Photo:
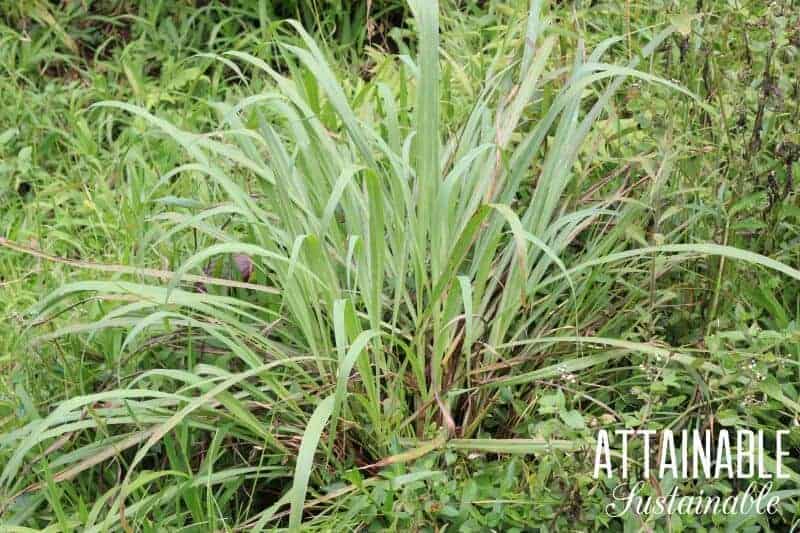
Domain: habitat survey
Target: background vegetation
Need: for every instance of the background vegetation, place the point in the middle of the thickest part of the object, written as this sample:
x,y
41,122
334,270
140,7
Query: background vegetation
x,y
261,275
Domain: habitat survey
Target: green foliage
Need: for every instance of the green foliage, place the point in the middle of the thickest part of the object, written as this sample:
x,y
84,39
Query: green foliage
x,y
404,260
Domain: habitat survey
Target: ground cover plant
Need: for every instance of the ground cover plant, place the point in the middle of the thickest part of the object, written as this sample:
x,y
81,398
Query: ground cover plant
x,y
390,266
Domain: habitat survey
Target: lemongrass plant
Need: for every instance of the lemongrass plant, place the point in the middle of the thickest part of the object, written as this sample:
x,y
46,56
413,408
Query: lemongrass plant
x,y
398,284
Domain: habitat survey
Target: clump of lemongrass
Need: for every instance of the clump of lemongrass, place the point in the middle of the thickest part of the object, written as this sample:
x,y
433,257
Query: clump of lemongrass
x,y
402,277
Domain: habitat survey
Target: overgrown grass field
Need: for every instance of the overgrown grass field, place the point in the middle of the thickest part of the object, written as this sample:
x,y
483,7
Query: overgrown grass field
x,y
332,265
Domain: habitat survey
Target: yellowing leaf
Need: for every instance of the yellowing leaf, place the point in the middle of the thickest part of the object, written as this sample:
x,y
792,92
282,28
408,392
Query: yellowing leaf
x,y
682,23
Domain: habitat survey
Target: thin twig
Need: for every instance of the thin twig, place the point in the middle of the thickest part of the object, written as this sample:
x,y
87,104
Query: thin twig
x,y
163,275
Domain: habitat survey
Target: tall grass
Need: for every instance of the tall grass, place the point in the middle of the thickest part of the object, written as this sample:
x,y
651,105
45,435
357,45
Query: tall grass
x,y
403,284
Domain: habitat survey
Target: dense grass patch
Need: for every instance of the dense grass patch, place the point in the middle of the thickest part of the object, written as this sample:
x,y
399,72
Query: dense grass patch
x,y
388,266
